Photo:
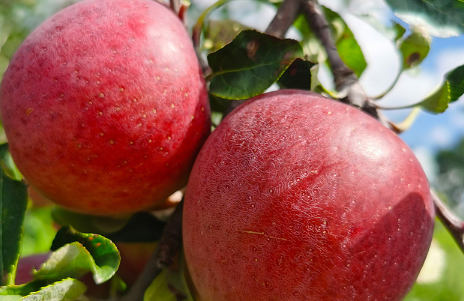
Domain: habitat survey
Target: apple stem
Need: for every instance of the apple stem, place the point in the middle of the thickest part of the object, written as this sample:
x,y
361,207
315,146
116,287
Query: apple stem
x,y
452,223
168,247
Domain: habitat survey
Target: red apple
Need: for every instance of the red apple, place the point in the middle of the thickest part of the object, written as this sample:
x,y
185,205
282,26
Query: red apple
x,y
105,107
298,197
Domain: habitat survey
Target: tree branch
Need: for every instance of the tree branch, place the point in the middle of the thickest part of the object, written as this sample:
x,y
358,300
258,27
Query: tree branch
x,y
452,223
175,6
168,247
345,79
284,18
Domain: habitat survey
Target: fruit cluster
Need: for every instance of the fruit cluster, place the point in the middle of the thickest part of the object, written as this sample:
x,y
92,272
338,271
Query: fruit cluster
x,y
292,197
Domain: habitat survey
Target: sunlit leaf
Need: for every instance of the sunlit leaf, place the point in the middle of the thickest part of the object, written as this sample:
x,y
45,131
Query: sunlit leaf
x,y
441,18
250,64
415,47
13,204
63,290
347,46
450,90
79,253
219,33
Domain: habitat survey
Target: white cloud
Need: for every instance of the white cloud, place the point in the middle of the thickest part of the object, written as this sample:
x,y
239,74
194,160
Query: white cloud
x,y
449,59
457,115
441,136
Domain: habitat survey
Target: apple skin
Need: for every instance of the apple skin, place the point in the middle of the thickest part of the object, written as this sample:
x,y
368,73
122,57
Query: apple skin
x,y
298,197
105,107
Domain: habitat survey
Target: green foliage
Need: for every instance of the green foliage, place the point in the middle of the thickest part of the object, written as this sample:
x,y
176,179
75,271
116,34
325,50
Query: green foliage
x,y
64,290
415,47
441,18
250,64
13,204
347,46
449,91
297,76
79,253
120,229
219,33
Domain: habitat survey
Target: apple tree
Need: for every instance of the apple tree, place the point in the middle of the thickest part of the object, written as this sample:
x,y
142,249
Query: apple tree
x,y
166,150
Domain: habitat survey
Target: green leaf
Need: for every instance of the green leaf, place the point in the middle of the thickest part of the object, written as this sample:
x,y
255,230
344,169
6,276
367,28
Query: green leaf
x,y
218,104
11,298
219,33
7,164
23,289
79,253
449,91
415,47
64,290
441,18
250,64
13,204
297,76
170,285
347,46
140,227
398,31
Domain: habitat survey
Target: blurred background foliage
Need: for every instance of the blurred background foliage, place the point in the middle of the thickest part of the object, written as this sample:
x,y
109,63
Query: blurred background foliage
x,y
443,273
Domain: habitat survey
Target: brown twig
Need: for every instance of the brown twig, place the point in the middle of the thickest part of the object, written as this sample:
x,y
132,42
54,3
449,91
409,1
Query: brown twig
x,y
168,247
452,223
346,81
284,18
344,77
175,6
